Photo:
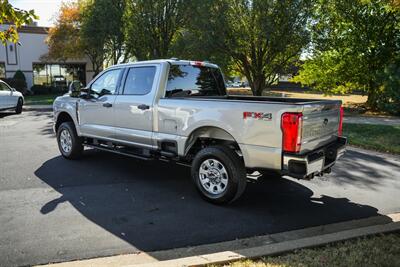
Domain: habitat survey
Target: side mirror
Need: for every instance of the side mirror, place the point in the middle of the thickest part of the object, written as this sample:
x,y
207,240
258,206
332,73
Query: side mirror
x,y
13,89
84,92
75,88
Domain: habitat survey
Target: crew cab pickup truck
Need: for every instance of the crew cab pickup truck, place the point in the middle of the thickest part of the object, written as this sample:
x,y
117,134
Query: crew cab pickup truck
x,y
178,110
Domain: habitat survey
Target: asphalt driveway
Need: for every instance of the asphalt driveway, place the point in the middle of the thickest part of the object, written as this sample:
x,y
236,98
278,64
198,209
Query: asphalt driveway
x,y
52,209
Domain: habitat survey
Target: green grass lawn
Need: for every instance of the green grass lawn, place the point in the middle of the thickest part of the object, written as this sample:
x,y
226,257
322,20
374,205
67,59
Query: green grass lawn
x,y
40,99
381,250
385,138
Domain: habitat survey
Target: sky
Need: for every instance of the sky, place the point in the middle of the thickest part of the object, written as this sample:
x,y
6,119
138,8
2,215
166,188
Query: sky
x,y
45,9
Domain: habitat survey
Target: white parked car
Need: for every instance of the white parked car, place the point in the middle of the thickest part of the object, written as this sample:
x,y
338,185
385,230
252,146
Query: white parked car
x,y
10,98
238,84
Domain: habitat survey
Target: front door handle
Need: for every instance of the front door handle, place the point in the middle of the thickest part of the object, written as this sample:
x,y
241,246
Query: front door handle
x,y
107,105
143,107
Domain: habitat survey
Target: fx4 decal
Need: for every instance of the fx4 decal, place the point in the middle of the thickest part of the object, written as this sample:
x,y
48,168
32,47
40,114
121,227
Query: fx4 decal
x,y
257,115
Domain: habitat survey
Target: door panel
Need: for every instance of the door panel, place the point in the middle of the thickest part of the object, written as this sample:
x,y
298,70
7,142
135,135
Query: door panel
x,y
5,96
13,98
3,99
133,124
95,118
134,107
96,113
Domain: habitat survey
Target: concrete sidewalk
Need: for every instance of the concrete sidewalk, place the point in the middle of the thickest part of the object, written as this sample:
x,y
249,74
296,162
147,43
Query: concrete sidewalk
x,y
378,120
37,107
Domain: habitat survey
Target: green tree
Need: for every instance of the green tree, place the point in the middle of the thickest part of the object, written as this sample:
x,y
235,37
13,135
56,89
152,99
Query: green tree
x,y
152,26
93,38
16,17
353,42
259,38
64,38
107,35
197,42
75,35
389,100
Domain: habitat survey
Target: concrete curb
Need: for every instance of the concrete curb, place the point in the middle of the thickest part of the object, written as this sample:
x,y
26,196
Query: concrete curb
x,y
273,249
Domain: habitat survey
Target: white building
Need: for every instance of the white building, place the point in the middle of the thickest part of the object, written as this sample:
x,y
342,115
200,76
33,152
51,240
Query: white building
x,y
26,54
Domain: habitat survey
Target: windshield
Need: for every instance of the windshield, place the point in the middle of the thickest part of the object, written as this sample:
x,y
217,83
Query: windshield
x,y
188,80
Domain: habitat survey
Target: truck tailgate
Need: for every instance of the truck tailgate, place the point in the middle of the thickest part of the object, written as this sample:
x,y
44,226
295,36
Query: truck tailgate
x,y
320,124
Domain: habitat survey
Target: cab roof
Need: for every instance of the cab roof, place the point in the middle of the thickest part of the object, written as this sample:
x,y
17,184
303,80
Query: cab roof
x,y
172,61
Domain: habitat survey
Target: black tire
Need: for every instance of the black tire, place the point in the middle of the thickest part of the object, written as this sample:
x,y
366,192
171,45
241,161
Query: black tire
x,y
76,148
234,167
20,103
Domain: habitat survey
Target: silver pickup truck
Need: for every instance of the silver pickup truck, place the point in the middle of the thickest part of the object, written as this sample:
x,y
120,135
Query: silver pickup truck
x,y
178,110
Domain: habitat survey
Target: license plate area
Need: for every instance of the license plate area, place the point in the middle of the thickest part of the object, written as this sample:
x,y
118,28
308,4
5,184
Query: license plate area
x,y
315,162
315,166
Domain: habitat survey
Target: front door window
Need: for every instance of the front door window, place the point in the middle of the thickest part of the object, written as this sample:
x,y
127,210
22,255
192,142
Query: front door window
x,y
107,83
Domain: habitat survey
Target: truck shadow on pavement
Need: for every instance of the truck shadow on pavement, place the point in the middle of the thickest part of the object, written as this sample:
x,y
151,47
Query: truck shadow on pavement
x,y
154,206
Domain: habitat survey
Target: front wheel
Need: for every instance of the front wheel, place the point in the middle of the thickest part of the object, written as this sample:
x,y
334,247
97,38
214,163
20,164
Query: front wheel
x,y
18,109
69,143
219,174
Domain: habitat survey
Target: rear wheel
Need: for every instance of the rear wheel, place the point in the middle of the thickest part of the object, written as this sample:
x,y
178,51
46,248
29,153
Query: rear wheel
x,y
18,109
219,174
69,143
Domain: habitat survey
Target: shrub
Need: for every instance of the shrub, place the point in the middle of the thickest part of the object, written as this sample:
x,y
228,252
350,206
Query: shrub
x,y
41,89
19,85
18,82
389,99
19,75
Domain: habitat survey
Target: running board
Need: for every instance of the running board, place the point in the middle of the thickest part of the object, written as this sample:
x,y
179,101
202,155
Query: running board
x,y
113,150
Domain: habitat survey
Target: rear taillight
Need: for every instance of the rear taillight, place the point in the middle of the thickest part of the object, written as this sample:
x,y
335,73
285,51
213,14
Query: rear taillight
x,y
340,129
291,125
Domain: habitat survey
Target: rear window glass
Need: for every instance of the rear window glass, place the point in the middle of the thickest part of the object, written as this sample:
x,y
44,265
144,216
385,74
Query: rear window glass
x,y
188,80
139,80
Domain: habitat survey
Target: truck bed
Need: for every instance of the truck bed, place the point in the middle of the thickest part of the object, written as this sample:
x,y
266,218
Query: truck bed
x,y
283,100
320,120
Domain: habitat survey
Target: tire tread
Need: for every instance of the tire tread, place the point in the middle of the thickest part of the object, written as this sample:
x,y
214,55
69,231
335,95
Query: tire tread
x,y
77,147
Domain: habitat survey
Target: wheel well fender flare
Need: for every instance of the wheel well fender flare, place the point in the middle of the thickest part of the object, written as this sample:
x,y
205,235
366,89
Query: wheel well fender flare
x,y
61,118
211,132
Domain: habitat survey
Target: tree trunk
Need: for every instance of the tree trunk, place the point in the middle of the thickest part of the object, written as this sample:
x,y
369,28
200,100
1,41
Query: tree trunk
x,y
96,68
258,85
255,77
373,96
372,101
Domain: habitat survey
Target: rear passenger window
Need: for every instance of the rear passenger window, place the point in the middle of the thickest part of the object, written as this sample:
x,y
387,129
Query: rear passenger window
x,y
139,80
188,81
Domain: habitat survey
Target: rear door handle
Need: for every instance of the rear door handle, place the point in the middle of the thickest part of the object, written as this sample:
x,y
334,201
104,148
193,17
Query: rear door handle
x,y
107,105
143,107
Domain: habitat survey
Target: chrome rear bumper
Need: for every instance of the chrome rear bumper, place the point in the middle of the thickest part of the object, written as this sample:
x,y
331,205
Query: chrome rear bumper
x,y
316,162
